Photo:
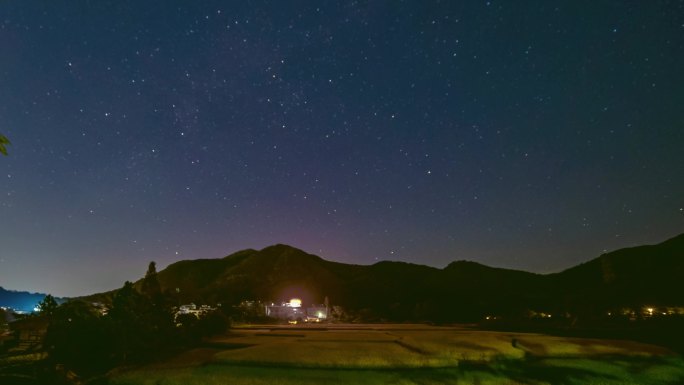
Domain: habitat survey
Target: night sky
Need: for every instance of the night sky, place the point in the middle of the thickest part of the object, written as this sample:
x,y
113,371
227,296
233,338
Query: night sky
x,y
522,134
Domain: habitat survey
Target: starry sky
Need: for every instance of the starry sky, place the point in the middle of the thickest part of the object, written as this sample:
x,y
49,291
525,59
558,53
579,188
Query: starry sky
x,y
532,135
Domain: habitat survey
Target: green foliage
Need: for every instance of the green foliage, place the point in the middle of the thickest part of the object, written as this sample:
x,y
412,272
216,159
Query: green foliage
x,y
150,284
139,327
3,144
213,323
142,327
79,338
135,330
48,305
187,328
192,329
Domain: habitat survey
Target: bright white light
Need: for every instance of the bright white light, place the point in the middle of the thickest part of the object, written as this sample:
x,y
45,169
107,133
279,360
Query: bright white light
x,y
295,302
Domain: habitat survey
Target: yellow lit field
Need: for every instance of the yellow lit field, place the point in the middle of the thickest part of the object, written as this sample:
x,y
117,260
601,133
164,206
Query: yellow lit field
x,y
409,354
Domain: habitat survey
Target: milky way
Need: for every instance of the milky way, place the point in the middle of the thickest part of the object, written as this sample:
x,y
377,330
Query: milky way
x,y
531,136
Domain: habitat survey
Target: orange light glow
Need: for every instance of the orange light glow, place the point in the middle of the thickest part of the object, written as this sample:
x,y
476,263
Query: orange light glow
x,y
295,302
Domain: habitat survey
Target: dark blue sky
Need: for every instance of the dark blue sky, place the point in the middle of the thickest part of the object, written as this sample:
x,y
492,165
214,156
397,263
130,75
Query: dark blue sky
x,y
531,135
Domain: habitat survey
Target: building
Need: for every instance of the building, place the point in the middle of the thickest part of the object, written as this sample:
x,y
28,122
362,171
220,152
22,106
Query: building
x,y
317,313
286,310
195,310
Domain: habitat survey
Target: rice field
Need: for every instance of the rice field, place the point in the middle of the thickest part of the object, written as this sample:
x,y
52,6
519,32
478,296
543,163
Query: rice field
x,y
408,354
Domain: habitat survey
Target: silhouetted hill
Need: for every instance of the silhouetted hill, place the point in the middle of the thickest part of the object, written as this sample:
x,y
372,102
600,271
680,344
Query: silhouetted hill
x,y
461,291
19,300
495,290
275,272
652,274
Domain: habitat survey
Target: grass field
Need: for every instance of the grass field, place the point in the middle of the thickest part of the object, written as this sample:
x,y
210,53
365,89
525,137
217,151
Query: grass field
x,y
408,354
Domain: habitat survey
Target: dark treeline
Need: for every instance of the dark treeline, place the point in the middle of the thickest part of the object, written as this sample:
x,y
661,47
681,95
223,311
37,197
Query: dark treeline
x,y
139,327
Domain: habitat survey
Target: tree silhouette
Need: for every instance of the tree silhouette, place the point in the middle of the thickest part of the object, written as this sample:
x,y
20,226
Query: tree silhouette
x,y
3,143
150,285
48,305
79,338
130,321
143,328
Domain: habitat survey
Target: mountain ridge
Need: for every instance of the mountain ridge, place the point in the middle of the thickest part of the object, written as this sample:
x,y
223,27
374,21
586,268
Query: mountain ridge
x,y
400,290
397,290
19,300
